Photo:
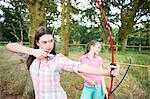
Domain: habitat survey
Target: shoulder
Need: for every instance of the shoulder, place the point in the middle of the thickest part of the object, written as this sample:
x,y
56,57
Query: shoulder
x,y
83,56
60,54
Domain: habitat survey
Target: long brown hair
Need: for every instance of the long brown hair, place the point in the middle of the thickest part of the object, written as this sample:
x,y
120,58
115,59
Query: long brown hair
x,y
91,43
40,31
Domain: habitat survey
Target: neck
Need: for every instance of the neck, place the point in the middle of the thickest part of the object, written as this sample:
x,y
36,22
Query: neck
x,y
44,59
90,55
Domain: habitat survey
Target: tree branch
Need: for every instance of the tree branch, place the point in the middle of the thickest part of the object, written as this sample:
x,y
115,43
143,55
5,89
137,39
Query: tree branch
x,y
14,33
30,2
142,22
114,23
21,33
139,16
41,2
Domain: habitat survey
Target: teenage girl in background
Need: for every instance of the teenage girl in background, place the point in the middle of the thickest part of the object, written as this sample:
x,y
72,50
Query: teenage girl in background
x,y
94,86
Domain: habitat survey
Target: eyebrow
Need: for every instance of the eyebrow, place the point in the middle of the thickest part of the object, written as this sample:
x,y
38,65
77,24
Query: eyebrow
x,y
47,40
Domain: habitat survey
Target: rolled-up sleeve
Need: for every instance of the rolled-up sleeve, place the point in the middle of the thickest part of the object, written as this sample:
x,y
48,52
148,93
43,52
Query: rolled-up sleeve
x,y
67,64
23,55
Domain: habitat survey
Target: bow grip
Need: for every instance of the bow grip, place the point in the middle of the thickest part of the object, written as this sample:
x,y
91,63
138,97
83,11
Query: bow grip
x,y
112,70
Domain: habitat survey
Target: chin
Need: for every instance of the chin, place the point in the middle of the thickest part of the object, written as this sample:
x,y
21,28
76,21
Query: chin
x,y
49,51
96,53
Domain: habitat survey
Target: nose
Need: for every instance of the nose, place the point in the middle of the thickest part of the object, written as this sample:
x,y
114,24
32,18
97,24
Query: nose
x,y
49,44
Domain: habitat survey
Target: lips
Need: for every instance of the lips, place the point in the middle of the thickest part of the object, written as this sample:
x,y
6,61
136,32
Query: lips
x,y
49,49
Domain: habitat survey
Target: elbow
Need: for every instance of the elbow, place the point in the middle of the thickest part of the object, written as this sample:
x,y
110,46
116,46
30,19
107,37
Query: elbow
x,y
8,46
11,46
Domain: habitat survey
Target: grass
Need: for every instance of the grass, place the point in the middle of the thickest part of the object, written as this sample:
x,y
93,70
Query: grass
x,y
14,77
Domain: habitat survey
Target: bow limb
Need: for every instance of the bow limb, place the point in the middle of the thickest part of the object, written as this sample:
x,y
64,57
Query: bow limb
x,y
111,43
108,29
122,78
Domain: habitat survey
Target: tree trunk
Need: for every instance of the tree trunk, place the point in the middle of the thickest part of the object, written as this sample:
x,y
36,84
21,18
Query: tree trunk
x,y
104,34
63,26
124,37
127,20
66,32
67,29
36,11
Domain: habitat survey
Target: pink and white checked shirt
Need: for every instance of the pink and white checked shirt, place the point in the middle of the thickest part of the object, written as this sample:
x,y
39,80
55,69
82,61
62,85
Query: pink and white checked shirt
x,y
46,76
95,62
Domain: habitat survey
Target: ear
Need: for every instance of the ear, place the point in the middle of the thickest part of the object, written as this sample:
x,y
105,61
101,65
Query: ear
x,y
37,43
91,47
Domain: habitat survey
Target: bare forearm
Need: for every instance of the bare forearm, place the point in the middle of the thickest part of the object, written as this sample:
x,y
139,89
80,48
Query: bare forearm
x,y
103,83
16,47
91,70
84,77
104,86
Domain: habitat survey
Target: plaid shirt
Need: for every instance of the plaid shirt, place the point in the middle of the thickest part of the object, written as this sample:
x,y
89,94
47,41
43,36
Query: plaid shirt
x,y
46,76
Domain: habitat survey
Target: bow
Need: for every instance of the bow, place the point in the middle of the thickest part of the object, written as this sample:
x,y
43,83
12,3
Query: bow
x,y
111,44
112,51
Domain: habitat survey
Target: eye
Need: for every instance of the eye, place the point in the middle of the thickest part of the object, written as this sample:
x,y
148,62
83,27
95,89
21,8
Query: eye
x,y
51,40
44,42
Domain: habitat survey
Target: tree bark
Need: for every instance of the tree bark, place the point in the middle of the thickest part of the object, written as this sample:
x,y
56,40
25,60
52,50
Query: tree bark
x,y
62,26
36,11
65,31
127,20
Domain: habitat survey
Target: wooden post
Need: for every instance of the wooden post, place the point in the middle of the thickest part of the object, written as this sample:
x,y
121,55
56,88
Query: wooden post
x,y
140,48
116,47
140,42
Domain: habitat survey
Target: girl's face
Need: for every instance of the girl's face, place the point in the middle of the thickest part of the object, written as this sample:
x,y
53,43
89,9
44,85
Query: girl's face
x,y
96,48
46,42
